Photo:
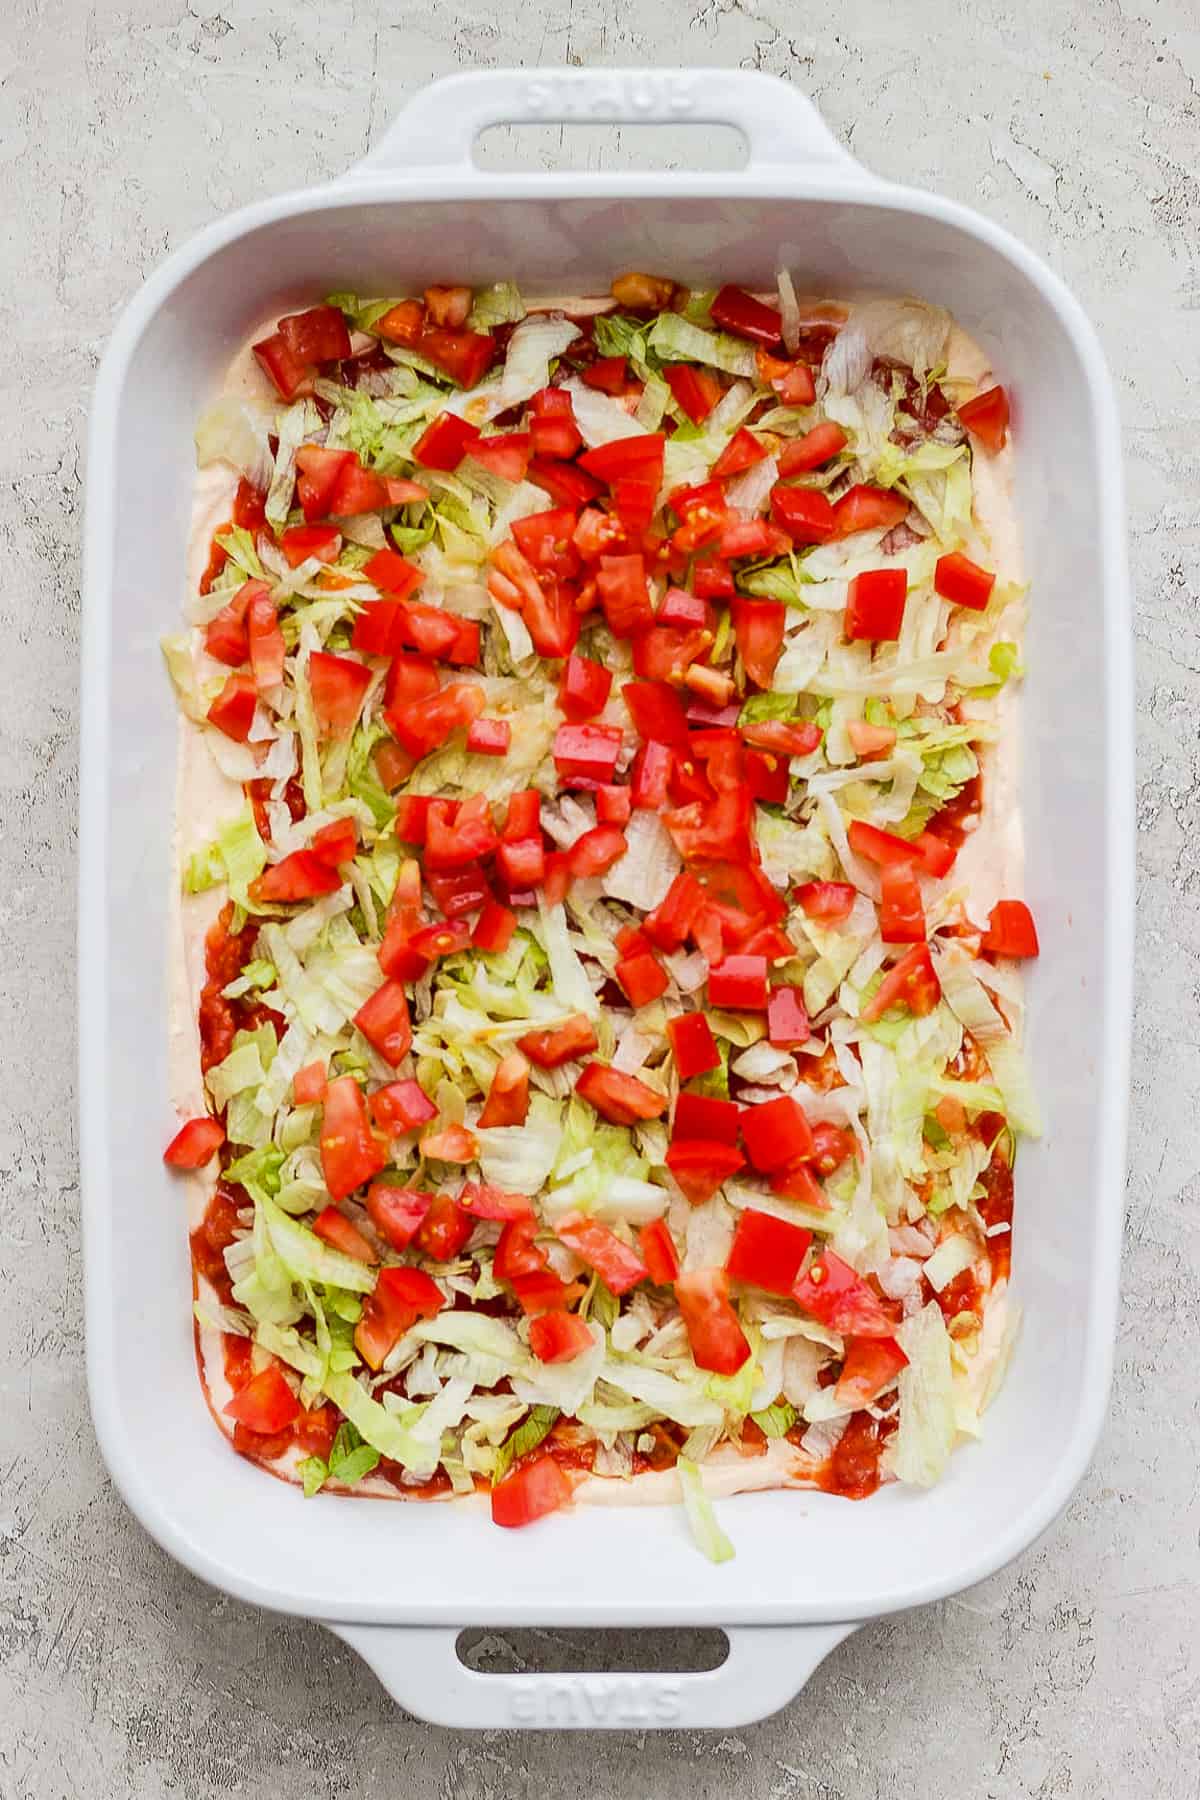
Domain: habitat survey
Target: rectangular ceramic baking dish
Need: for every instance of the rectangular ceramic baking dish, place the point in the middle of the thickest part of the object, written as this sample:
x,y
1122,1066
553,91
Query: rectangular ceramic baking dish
x,y
399,1581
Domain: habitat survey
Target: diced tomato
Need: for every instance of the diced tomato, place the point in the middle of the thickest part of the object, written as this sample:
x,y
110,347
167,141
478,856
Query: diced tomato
x,y
464,651
758,628
910,982
384,1022
957,579
741,452
544,539
620,1098
596,851
695,391
529,1492
804,513
266,641
614,805
986,417
1011,930
692,1045
195,1144
619,1267
684,611
393,574
396,1212
412,817
657,1249
522,865
516,1251
656,712
584,688
543,1291
489,737
785,737
302,875
459,835
316,336
820,445
556,1337
226,637
566,483
869,740
233,709
460,892
832,1292
336,843
427,628
875,605
401,1297
289,374
796,1181
409,677
640,456
338,685
334,1228
483,1201
559,1044
555,438
452,1144
700,1165
792,381
266,1403
776,1133
787,1019
608,374
523,818
249,506
350,1153
401,1106
864,508
719,831
703,1116
935,855
424,725
642,978
652,771
308,1084
466,356
740,983
882,847
670,922
300,542
831,1147
447,306
444,442
767,1252
447,937
901,914
494,928
755,537
403,324
767,776
634,504
715,1335
357,490
621,581
662,653
598,534
869,1368
711,578
444,1229
587,750
735,310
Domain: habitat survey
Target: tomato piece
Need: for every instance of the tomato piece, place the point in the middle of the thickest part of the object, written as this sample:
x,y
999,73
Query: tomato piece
x,y
308,1084
357,490
619,1267
409,677
957,579
556,439
642,978
456,838
785,737
711,578
702,1116
516,1251
621,582
700,1165
444,1229
1011,930
587,750
265,641
544,539
233,709
453,1144
566,483
754,537
796,1181
692,1045
393,574
523,865
425,725
596,851
195,1143
584,688
901,914
657,1249
740,983
614,805
226,636
792,381
670,922
741,452
831,1146
336,843
608,375
714,1331
640,456
716,831
494,928
869,1368
559,1044
865,508
445,938
767,1252
316,336
620,1098
776,1133
662,653
910,982
384,1022
556,1337
300,542
634,504
266,1403
529,1492
787,1019
286,371
350,1153
758,628
832,1292
466,356
338,686
695,391
935,855
767,776
684,611
598,534
401,1106
483,1201
397,1212
302,875
334,1228
870,740
804,513
882,847
445,441
875,605
401,1297
651,775
735,310
986,417
402,325
249,506
447,306
820,445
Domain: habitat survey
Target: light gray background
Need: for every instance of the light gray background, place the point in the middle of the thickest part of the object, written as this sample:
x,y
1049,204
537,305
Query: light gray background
x,y
123,128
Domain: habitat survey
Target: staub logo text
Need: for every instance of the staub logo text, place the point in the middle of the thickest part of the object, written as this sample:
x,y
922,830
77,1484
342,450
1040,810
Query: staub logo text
x,y
646,95
583,1700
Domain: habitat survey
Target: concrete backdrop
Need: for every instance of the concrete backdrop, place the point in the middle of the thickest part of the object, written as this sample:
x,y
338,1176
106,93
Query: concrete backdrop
x,y
123,128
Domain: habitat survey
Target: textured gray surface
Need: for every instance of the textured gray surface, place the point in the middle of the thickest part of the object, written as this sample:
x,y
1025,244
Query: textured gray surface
x,y
125,127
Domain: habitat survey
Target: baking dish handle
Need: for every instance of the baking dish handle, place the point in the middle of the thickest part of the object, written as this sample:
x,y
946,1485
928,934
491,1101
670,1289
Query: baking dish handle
x,y
438,127
766,1667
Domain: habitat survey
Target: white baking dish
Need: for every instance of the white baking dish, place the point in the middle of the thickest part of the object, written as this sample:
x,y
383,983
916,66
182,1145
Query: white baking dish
x,y
398,1581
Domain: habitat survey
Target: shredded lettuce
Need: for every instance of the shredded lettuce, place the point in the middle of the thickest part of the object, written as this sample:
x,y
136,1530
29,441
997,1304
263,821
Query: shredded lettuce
x,y
700,1514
